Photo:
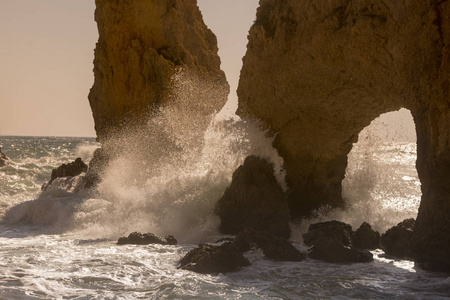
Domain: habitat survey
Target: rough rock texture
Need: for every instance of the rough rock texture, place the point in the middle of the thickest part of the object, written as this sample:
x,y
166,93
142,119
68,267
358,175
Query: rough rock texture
x,y
254,199
141,45
273,247
74,168
397,241
137,238
330,250
3,158
366,238
338,231
318,72
209,259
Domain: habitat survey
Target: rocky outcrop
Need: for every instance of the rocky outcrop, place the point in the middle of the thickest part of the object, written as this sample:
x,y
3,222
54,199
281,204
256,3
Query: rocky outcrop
x,y
332,241
137,238
74,168
397,241
366,238
210,259
142,48
334,230
254,199
273,247
317,72
330,250
3,158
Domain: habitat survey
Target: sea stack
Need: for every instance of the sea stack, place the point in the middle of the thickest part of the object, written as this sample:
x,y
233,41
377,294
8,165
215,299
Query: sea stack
x,y
152,57
142,45
317,72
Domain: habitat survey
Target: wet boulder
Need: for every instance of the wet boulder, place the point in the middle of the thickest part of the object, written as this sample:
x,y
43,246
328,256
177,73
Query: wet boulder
x,y
329,250
3,158
254,199
397,241
137,238
210,259
74,168
338,231
273,247
366,238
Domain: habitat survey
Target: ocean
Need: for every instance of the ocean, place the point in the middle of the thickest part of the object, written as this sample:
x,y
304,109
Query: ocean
x,y
59,244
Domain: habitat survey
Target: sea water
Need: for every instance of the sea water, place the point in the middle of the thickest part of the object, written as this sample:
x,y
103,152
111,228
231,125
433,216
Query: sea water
x,y
62,245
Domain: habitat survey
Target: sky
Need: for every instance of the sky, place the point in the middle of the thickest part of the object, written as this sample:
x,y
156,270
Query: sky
x,y
46,61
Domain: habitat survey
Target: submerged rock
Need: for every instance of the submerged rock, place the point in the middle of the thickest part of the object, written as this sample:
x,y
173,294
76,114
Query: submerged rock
x,y
397,241
273,247
137,238
329,250
3,158
366,238
209,259
334,230
71,169
254,199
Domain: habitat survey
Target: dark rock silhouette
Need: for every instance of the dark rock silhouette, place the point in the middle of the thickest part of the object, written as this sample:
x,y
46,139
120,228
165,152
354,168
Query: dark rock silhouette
x,y
332,242
334,230
273,247
366,238
329,250
209,259
137,238
71,169
397,241
3,158
254,199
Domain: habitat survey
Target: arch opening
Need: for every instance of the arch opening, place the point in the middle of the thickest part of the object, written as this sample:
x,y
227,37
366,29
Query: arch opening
x,y
381,184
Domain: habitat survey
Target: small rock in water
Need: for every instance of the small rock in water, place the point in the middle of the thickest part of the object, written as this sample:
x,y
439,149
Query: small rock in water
x,y
137,238
3,158
397,241
366,238
332,242
71,169
330,250
273,247
338,231
209,259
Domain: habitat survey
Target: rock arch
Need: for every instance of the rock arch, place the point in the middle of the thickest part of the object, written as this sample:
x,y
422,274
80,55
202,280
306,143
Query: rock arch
x,y
318,72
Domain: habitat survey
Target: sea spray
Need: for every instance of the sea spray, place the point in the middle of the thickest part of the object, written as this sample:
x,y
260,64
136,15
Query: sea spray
x,y
172,192
164,177
381,184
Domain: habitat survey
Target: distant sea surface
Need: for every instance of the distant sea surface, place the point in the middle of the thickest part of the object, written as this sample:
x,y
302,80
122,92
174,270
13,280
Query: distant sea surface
x,y
59,244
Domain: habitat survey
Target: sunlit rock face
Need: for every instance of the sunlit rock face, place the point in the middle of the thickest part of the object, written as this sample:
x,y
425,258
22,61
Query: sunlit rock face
x,y
317,72
142,44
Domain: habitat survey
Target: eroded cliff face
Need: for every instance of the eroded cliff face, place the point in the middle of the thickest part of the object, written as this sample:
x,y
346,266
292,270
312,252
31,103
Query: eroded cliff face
x,y
317,72
142,44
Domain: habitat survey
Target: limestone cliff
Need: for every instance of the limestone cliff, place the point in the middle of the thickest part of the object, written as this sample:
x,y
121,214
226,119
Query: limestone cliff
x,y
142,44
318,72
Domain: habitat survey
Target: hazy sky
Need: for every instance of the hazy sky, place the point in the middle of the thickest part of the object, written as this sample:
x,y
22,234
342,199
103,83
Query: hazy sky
x,y
46,54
